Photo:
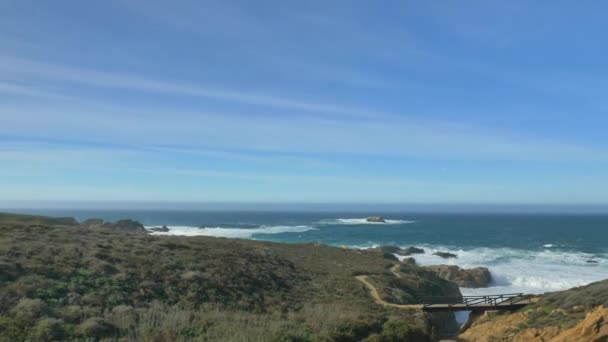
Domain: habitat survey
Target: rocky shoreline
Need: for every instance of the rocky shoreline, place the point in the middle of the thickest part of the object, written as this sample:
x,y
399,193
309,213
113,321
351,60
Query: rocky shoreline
x,y
577,314
477,277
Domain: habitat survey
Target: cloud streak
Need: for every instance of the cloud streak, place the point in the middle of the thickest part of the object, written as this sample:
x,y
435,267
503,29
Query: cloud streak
x,y
300,135
103,79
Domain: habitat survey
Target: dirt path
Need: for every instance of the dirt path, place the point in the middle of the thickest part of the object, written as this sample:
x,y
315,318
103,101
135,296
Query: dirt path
x,y
395,270
374,293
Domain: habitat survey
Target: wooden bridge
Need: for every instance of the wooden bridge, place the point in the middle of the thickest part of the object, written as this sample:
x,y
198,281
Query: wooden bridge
x,y
511,301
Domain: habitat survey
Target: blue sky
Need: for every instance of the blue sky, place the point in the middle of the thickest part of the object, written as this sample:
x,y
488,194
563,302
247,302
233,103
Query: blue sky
x,y
283,101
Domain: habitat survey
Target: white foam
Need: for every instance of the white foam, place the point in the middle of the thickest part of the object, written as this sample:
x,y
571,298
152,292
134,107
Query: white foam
x,y
549,245
527,271
358,221
245,233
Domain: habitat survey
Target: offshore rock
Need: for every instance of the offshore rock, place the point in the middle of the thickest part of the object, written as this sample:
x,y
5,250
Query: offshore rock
x,y
445,255
399,250
162,229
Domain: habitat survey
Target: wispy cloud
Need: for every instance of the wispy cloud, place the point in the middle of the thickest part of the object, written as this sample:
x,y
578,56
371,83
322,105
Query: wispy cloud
x,y
96,78
296,135
333,30
27,90
388,135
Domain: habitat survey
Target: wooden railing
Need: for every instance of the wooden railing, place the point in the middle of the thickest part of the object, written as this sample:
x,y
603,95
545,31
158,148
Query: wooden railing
x,y
470,301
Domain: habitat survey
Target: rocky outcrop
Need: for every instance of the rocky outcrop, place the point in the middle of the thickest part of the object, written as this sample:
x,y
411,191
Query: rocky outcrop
x,y
376,219
473,278
388,249
594,328
412,250
162,229
124,225
486,328
390,256
399,250
409,261
93,223
445,255
127,225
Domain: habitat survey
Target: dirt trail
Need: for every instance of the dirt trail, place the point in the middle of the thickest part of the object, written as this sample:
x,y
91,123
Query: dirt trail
x,y
378,300
395,270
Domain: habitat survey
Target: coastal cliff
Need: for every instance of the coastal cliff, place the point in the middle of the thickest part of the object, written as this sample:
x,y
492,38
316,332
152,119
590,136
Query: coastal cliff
x,y
579,314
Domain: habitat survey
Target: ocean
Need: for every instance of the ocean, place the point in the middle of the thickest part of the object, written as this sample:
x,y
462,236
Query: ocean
x,y
530,253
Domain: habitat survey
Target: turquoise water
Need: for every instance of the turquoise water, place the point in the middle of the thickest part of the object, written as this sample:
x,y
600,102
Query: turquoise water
x,y
524,252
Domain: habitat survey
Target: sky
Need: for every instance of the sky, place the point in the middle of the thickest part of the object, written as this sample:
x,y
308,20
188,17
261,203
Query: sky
x,y
477,102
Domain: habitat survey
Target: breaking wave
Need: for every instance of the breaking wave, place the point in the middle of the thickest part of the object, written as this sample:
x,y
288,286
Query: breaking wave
x,y
528,271
244,233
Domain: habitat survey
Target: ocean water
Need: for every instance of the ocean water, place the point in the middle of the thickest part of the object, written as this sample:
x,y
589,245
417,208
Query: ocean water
x,y
524,252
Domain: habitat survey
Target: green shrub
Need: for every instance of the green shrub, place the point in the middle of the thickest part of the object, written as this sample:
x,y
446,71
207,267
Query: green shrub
x,y
12,330
9,271
588,296
47,329
72,313
396,330
354,330
95,327
29,309
122,317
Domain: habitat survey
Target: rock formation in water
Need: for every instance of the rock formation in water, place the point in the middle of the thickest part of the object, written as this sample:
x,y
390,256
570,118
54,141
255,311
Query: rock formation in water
x,y
376,219
162,229
445,255
400,251
472,278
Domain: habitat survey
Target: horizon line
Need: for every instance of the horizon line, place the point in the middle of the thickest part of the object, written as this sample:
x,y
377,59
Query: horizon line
x,y
447,207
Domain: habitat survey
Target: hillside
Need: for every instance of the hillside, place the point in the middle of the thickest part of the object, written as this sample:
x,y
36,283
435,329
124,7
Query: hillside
x,y
62,281
20,219
578,314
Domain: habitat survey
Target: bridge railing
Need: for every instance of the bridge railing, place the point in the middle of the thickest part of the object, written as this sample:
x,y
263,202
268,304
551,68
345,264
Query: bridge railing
x,y
471,301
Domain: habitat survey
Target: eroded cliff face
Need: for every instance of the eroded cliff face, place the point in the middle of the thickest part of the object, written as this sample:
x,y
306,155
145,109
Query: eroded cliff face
x,y
594,328
516,327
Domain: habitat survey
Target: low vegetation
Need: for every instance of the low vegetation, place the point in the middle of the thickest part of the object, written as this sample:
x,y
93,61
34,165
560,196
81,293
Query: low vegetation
x,y
63,281
567,308
19,219
584,297
576,314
